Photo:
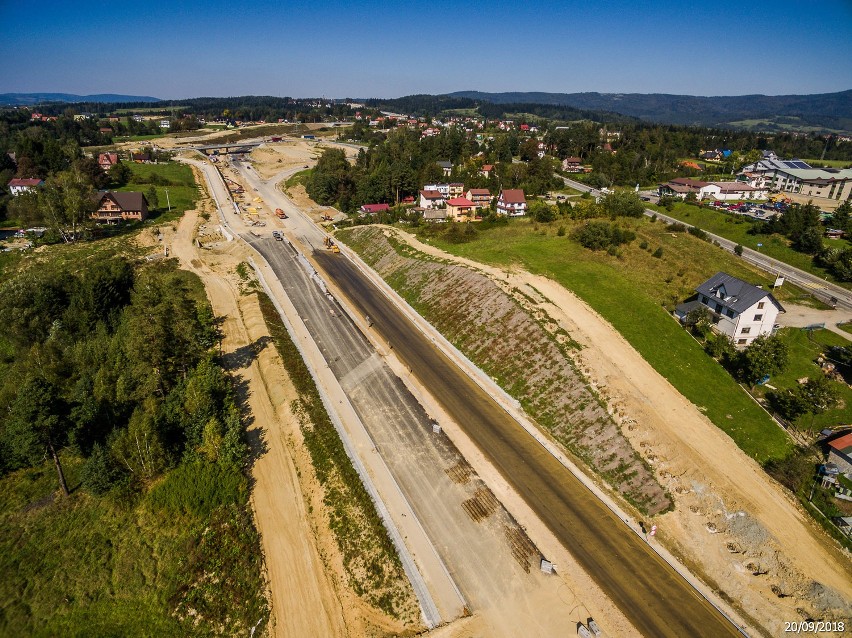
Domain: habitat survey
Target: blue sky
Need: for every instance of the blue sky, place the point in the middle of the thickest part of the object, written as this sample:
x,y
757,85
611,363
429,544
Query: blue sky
x,y
180,49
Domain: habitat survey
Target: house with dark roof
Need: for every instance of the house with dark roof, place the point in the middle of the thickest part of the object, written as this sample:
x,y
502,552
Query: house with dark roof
x,y
115,206
572,165
447,167
481,197
840,453
737,308
512,202
18,185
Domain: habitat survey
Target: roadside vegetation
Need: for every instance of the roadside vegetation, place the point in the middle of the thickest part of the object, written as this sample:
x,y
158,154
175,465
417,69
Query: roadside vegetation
x,y
123,494
796,239
369,556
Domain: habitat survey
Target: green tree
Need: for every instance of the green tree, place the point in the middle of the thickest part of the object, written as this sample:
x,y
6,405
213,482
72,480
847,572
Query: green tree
x,y
119,174
152,198
67,202
35,426
622,204
842,217
766,355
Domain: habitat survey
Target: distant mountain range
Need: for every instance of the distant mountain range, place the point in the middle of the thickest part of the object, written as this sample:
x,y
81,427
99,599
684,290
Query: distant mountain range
x,y
824,112
28,99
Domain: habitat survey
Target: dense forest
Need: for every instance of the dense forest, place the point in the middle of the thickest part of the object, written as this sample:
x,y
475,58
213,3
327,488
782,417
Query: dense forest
x,y
99,355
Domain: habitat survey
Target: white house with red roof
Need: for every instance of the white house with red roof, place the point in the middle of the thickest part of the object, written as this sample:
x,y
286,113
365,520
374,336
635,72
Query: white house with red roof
x,y
572,165
512,203
486,170
107,160
432,199
19,185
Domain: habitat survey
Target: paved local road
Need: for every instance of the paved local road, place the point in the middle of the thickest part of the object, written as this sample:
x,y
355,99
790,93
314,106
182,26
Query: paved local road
x,y
817,286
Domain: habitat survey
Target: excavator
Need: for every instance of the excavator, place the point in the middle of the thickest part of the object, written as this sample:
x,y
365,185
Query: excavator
x,y
329,243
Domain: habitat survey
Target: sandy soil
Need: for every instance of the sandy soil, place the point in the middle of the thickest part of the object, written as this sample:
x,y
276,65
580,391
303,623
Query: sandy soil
x,y
731,520
306,580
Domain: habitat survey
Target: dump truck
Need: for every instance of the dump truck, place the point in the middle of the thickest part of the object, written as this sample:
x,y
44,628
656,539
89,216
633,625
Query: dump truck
x,y
280,214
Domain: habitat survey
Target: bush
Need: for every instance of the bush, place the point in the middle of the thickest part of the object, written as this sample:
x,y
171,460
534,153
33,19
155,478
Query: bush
x,y
598,235
658,253
738,250
644,245
676,227
561,231
697,232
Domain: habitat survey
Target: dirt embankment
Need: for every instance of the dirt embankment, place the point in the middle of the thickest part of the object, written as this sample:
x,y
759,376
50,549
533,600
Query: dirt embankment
x,y
734,526
514,347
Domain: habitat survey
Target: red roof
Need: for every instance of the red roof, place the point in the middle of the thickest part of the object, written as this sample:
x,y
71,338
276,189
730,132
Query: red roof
x,y
24,182
374,208
460,202
843,444
480,191
432,194
573,160
108,158
513,196
487,168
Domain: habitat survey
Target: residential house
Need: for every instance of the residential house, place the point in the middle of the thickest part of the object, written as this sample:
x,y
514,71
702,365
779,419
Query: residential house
x,y
738,309
713,156
460,209
107,160
18,185
437,215
432,199
486,170
114,206
444,189
723,191
572,165
105,130
447,167
165,124
374,209
512,202
456,190
481,197
731,191
840,453
141,158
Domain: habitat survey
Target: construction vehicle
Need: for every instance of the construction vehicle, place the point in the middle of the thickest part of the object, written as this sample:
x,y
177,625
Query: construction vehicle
x,y
329,243
280,214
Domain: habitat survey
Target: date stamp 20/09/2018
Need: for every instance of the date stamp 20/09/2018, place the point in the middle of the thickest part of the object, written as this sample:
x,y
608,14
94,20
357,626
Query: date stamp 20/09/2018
x,y
814,626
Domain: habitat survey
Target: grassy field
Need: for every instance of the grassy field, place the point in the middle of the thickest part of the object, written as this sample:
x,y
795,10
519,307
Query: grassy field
x,y
804,347
829,163
128,564
735,228
172,176
138,138
632,293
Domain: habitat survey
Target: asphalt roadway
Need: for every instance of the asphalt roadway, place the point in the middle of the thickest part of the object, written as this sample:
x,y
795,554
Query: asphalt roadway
x,y
655,598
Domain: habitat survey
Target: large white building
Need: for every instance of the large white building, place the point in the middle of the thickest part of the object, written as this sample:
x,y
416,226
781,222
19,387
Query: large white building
x,y
740,310
796,176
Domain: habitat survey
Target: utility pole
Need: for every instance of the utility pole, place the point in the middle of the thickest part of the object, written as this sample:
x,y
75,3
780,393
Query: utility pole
x,y
168,201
